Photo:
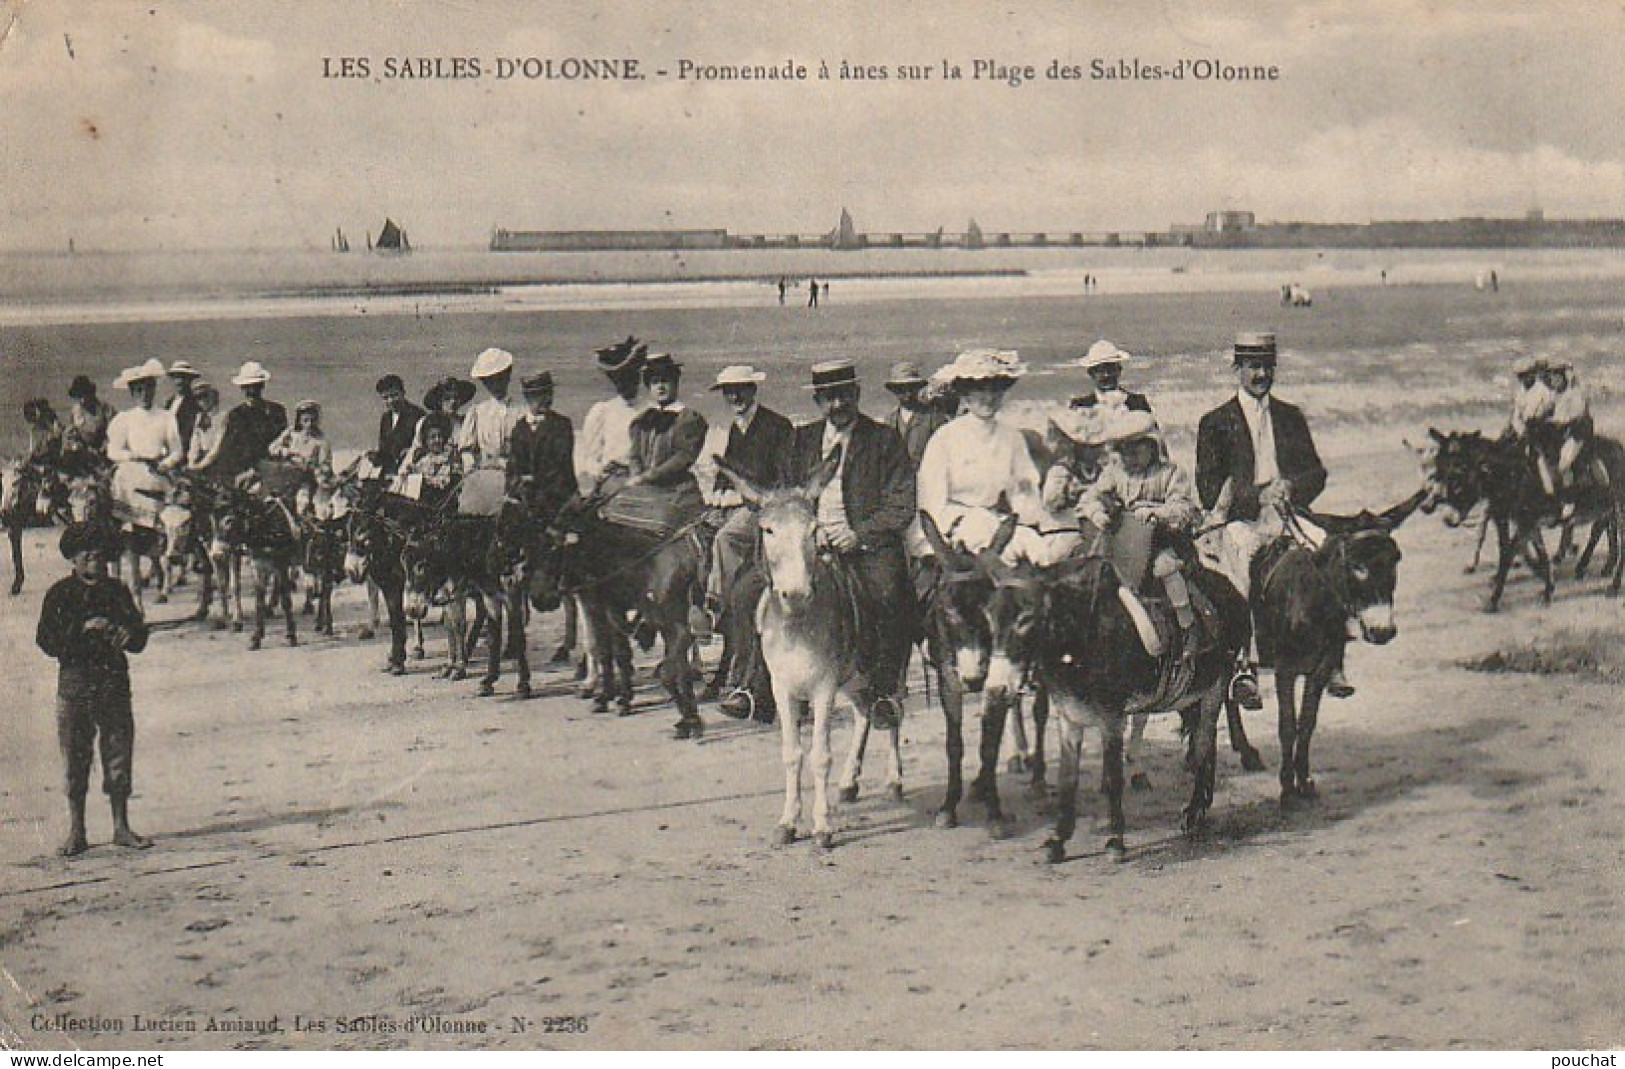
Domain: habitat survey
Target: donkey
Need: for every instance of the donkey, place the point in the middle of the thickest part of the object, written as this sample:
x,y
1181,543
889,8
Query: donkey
x,y
29,497
476,557
377,528
263,530
1466,468
810,633
1067,624
1304,604
90,500
616,572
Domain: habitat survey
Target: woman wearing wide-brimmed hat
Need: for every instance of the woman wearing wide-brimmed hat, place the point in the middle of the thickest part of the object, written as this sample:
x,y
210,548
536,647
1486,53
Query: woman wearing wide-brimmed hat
x,y
978,469
143,442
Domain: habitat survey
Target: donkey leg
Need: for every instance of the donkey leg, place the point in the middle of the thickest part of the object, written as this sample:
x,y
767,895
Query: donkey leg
x,y
823,706
987,779
1066,788
1308,714
1582,565
1036,785
1507,550
1286,728
370,629
1251,759
854,757
14,535
1138,780
894,763
952,696
1111,780
518,609
261,595
494,619
790,750
284,585
1202,756
1021,759
1543,567
236,566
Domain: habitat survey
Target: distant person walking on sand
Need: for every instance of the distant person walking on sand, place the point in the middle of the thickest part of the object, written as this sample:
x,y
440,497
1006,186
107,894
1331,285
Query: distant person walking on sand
x,y
826,291
782,287
88,622
812,293
1495,282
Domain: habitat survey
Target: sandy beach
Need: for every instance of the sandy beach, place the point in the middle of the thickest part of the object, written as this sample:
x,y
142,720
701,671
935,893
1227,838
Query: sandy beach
x,y
382,863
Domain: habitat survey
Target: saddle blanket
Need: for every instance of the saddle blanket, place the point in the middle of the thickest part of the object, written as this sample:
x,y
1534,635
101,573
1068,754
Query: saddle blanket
x,y
655,510
482,493
1176,673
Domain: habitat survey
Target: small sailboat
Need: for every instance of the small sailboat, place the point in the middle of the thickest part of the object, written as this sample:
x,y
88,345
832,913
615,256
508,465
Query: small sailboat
x,y
340,242
391,239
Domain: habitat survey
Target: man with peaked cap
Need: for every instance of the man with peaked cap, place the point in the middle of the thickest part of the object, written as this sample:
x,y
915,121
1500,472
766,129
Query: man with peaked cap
x,y
541,465
862,514
1104,363
250,427
1255,458
606,432
756,443
184,377
397,424
919,413
483,439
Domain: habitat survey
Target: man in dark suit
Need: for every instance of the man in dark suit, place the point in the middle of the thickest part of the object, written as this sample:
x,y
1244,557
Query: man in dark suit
x,y
397,426
756,443
916,417
1255,457
541,452
250,428
862,515
1104,364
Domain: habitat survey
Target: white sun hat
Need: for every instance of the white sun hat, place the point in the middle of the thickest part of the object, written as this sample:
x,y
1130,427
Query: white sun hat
x,y
983,365
252,373
491,362
1103,352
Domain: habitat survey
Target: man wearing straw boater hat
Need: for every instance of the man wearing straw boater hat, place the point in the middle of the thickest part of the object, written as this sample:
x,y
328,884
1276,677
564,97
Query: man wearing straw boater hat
x,y
1255,459
755,442
483,439
862,515
1104,363
183,376
250,428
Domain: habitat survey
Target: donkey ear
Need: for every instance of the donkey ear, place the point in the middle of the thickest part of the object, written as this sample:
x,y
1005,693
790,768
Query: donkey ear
x,y
747,489
1334,524
946,554
990,564
1433,432
1401,512
823,473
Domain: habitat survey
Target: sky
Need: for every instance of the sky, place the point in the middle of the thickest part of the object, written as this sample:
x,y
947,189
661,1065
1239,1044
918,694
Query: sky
x,y
172,125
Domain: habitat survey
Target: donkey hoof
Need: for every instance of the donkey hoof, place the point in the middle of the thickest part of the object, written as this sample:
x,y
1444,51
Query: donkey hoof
x,y
784,835
523,692
417,654
1251,761
1055,851
293,640
237,625
848,795
16,588
161,598
254,643
1289,799
1017,764
486,689
1139,781
217,625
825,840
1117,849
894,793
1308,791
996,828
1194,821
945,819
458,674
366,634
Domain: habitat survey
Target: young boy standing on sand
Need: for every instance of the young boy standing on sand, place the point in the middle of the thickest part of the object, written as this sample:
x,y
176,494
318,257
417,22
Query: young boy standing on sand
x,y
88,622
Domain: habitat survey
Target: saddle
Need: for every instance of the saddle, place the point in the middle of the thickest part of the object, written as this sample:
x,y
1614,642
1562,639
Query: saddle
x,y
1176,673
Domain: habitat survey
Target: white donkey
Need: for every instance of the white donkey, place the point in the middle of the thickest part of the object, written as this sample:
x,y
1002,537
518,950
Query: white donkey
x,y
808,624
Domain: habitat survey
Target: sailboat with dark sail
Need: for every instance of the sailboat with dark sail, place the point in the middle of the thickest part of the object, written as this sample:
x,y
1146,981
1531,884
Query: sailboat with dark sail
x,y
391,239
340,242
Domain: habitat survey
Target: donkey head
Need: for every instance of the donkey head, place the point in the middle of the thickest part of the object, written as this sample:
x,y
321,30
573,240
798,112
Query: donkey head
x,y
955,613
788,523
1362,560
1014,615
1455,475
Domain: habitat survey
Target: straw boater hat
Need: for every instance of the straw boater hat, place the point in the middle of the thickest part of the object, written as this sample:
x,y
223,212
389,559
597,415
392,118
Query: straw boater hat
x,y
182,369
492,362
1254,346
832,374
252,373
738,375
152,370
622,356
541,382
1528,364
1103,352
1131,426
999,366
905,375
1080,426
659,364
